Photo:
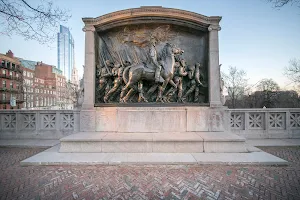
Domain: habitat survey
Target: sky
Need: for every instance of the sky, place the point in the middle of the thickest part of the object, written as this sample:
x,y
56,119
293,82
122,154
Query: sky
x,y
255,36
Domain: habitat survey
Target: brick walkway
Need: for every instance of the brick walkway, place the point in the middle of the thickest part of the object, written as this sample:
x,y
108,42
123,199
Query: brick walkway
x,y
148,182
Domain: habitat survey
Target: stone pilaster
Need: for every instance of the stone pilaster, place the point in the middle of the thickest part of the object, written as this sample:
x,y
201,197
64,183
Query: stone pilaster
x,y
89,68
214,70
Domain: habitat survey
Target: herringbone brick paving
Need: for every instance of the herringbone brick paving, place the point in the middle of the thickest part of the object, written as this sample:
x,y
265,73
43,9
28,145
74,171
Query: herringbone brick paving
x,y
150,181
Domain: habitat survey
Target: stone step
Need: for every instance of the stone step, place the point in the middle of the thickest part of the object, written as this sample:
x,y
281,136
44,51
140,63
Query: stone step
x,y
177,142
53,157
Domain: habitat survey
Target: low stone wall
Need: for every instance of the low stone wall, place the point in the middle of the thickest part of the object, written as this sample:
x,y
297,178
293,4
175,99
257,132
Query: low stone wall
x,y
38,124
265,123
55,124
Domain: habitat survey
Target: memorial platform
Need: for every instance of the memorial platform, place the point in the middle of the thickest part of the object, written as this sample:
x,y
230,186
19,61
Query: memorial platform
x,y
110,148
168,142
52,156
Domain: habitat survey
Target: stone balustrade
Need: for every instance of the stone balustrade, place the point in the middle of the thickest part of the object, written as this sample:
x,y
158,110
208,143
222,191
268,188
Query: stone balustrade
x,y
38,124
265,123
55,124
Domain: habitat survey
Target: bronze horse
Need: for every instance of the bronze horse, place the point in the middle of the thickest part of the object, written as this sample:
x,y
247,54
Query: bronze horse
x,y
137,73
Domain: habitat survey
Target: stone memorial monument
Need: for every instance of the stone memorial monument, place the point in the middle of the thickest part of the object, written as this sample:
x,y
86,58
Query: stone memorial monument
x,y
152,76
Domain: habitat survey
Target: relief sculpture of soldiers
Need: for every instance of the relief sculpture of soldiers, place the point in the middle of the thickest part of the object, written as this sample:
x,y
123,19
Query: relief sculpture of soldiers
x,y
159,63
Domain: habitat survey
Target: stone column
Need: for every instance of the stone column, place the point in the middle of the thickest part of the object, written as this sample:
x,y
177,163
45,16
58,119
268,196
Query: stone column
x,y
214,69
89,68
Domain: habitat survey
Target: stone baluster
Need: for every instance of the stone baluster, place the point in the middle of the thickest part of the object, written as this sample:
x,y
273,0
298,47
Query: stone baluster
x,y
214,70
89,68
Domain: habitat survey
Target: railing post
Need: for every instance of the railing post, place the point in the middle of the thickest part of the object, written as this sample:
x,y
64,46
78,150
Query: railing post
x,y
267,123
76,121
288,123
38,125
58,121
18,123
246,121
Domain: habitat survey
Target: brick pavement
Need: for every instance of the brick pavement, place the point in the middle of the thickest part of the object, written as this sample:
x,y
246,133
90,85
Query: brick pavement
x,y
149,182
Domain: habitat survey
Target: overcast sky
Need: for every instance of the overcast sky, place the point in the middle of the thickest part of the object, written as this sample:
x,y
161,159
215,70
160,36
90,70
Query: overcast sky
x,y
255,36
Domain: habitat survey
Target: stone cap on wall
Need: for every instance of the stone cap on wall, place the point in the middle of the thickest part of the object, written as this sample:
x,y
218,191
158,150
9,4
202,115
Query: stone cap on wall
x,y
152,14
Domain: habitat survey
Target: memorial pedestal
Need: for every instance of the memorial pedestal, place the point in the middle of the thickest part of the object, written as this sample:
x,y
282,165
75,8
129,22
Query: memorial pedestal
x,y
154,130
154,119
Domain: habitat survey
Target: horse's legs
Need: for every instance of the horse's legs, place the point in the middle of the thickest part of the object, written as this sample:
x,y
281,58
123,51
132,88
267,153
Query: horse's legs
x,y
162,89
128,95
130,84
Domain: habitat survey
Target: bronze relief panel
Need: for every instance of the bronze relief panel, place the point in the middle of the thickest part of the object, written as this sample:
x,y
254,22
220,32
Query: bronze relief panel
x,y
150,63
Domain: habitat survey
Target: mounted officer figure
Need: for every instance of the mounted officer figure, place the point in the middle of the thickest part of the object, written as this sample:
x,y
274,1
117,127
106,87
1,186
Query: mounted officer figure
x,y
153,57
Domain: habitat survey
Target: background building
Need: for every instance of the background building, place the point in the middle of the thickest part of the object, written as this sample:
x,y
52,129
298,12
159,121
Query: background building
x,y
65,52
11,80
44,87
28,82
35,85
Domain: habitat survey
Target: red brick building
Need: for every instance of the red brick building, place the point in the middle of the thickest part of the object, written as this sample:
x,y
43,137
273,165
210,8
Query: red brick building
x,y
34,85
44,86
11,79
54,83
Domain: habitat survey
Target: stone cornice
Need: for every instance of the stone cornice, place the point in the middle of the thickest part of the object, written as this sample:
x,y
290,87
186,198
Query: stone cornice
x,y
214,27
152,11
88,28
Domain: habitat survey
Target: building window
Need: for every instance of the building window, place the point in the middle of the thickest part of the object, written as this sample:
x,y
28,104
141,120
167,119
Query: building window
x,y
3,63
17,75
7,64
4,84
3,72
3,96
11,73
11,84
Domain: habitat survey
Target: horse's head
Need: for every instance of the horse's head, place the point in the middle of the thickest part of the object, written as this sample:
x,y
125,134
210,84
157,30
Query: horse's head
x,y
170,49
176,50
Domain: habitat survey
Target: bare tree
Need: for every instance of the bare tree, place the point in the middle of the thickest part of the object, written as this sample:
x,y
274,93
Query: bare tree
x,y
236,84
269,90
267,85
281,3
293,71
37,22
